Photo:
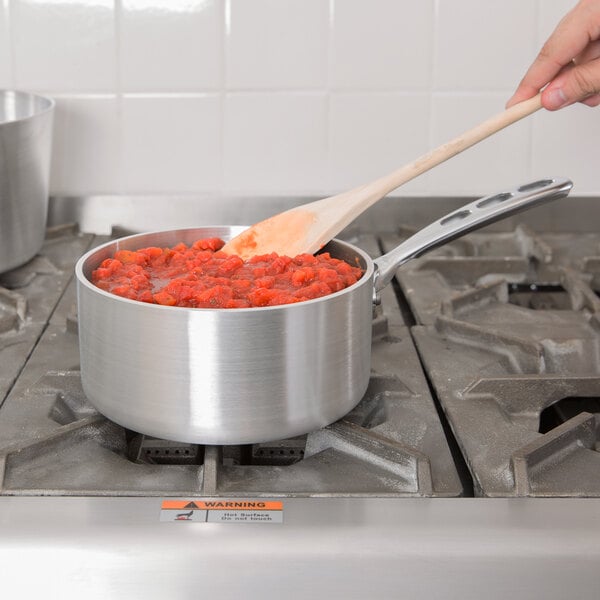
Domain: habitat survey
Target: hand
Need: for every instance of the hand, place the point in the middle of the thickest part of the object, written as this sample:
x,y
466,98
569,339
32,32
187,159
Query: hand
x,y
569,62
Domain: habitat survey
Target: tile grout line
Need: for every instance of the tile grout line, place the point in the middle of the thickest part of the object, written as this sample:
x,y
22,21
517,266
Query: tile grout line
x,y
9,11
224,91
433,71
119,96
328,176
531,128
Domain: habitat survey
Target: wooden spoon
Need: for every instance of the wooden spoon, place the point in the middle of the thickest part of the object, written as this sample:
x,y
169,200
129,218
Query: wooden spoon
x,y
307,228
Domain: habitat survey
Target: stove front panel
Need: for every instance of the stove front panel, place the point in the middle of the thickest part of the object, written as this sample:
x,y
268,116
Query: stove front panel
x,y
350,548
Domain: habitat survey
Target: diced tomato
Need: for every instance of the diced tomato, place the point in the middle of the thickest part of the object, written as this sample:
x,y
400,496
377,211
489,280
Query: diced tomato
x,y
262,296
265,282
230,265
213,244
201,276
314,290
302,276
164,298
128,257
241,285
237,304
216,297
146,296
151,252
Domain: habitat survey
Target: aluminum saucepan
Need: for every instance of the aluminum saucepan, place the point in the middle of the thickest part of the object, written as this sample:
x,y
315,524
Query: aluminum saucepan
x,y
249,375
25,146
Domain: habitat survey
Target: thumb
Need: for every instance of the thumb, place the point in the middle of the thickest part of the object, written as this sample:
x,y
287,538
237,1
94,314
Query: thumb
x,y
573,85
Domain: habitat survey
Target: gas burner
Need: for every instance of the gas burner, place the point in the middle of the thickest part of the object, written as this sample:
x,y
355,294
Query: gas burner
x,y
151,450
144,449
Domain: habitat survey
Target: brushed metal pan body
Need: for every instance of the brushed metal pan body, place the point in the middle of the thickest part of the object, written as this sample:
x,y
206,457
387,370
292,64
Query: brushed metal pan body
x,y
25,145
235,376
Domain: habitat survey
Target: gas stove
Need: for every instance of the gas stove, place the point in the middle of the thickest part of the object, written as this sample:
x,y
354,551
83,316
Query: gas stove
x,y
485,388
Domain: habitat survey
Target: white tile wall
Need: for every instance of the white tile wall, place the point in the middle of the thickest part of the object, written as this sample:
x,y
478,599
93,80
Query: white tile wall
x,y
66,46
566,143
288,96
87,148
180,140
276,44
171,46
500,159
275,142
5,46
381,45
483,45
373,133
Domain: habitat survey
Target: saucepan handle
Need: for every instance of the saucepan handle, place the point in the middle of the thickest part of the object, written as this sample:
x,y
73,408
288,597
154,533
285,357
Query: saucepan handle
x,y
471,216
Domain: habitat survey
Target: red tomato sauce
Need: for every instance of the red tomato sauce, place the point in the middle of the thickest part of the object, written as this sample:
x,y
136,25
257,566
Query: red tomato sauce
x,y
200,276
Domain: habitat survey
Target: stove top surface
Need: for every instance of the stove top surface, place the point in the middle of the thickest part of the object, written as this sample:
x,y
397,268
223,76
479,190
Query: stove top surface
x,y
53,442
485,381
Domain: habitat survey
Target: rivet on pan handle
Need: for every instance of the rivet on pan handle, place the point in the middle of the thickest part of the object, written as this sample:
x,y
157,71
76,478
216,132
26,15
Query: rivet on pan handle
x,y
468,218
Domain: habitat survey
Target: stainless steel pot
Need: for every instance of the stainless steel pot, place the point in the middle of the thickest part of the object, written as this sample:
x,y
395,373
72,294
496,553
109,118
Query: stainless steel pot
x,y
235,376
25,145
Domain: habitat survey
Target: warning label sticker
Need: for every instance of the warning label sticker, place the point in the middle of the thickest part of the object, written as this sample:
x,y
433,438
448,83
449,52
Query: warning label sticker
x,y
222,511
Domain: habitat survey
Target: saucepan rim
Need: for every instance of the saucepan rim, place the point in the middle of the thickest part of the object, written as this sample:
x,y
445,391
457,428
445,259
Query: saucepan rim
x,y
49,105
367,275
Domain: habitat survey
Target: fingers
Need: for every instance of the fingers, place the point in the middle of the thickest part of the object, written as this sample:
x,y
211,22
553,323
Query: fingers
x,y
581,86
591,52
575,36
523,93
581,83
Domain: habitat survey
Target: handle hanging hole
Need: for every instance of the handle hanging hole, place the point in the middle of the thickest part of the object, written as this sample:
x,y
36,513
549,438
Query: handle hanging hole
x,y
497,199
458,216
535,185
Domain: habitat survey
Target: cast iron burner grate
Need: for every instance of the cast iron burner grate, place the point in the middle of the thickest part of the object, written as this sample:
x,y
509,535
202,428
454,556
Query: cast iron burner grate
x,y
508,330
